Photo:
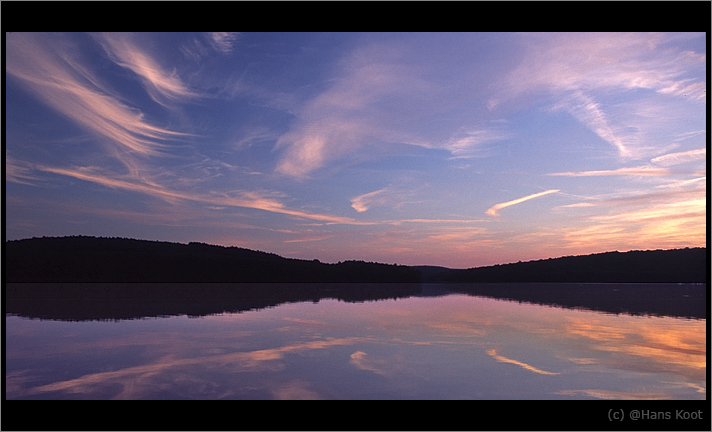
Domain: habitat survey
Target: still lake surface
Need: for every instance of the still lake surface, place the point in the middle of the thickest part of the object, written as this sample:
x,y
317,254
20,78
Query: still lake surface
x,y
434,344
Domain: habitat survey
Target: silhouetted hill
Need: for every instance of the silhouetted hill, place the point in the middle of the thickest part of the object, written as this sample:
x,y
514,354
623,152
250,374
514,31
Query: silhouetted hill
x,y
657,266
57,279
433,273
92,259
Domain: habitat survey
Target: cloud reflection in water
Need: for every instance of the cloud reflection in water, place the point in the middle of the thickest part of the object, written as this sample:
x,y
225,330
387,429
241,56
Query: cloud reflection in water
x,y
455,346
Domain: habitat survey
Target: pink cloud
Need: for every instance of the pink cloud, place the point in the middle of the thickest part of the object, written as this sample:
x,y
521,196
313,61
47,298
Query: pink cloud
x,y
494,210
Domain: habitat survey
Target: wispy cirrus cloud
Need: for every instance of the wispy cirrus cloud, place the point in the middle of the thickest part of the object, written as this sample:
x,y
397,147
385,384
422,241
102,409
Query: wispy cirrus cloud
x,y
19,172
224,41
363,202
200,47
52,70
161,83
591,114
631,171
471,141
585,61
668,217
680,157
346,116
391,196
494,210
245,199
363,361
580,70
384,94
658,169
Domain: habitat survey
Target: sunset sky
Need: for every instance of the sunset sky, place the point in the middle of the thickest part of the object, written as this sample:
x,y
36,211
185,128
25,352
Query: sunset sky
x,y
460,150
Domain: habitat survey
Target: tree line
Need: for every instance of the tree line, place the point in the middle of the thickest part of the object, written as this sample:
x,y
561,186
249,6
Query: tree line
x,y
101,259
657,266
97,259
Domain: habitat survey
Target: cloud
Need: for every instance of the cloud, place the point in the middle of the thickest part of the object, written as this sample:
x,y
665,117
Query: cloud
x,y
667,160
56,75
470,142
390,93
19,172
343,118
586,61
161,84
380,197
590,113
383,93
667,218
306,152
494,210
224,41
632,171
363,361
245,199
581,70
680,157
296,390
682,183
310,239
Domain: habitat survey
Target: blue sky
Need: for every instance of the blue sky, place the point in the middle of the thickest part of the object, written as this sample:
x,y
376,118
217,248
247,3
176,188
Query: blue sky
x,y
455,149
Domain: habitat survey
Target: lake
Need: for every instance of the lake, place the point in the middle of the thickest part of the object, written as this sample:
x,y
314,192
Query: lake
x,y
426,341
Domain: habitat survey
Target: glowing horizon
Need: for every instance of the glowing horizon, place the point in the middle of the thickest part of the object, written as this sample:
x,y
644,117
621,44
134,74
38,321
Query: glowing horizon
x,y
459,150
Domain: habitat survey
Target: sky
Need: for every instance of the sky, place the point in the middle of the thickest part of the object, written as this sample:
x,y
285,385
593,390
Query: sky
x,y
451,149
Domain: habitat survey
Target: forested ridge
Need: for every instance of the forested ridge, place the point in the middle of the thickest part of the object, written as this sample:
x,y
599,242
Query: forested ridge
x,y
654,266
94,259
100,259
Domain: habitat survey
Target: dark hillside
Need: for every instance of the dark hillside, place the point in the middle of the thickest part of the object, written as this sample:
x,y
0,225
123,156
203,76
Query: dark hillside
x,y
91,259
658,266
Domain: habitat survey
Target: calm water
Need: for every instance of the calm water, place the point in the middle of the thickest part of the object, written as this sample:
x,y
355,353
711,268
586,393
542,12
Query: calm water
x,y
453,346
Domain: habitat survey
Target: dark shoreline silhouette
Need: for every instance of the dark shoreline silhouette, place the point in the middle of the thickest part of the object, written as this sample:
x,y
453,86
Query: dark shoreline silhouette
x,y
92,259
89,278
687,265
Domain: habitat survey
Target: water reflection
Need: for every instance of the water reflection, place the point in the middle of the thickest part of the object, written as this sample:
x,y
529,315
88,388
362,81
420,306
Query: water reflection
x,y
656,345
120,301
448,347
662,299
81,302
139,382
493,353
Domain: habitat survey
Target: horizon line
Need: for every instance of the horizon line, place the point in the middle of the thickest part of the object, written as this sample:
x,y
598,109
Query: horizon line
x,y
306,259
